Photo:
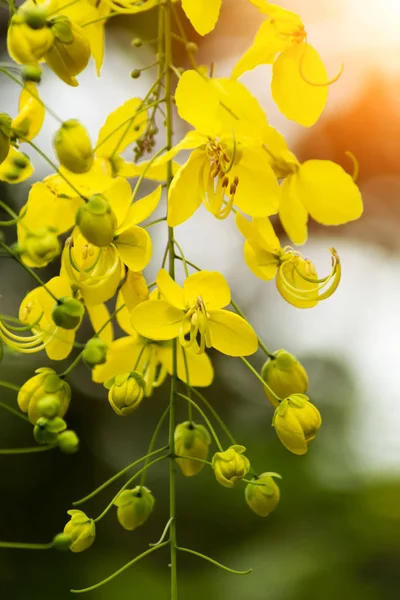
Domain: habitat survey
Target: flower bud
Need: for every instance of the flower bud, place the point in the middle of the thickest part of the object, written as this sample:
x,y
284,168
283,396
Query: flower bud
x,y
26,44
46,385
33,14
96,221
32,73
41,246
136,73
81,529
68,313
68,442
284,375
137,42
95,352
134,507
230,466
125,392
73,147
263,499
62,542
46,430
70,52
191,440
5,133
296,422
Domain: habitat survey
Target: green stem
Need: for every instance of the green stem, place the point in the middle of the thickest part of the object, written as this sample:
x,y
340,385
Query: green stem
x,y
206,419
152,443
252,369
205,462
26,450
116,476
10,386
154,222
188,262
214,562
215,415
164,533
260,342
111,577
22,546
183,258
14,412
188,386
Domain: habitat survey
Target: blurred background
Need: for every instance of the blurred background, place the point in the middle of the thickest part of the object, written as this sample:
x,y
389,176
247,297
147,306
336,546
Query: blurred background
x,y
337,528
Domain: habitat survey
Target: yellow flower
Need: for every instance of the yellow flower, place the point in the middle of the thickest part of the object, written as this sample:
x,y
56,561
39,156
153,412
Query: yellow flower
x,y
296,278
299,77
38,387
134,507
296,423
226,168
203,14
5,133
263,499
29,37
81,529
16,167
125,392
230,466
70,52
284,375
191,440
40,247
197,310
29,121
73,147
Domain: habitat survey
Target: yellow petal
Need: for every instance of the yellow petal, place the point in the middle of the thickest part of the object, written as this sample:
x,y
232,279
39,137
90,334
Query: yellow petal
x,y
197,102
296,99
258,192
61,345
98,315
155,172
121,358
262,263
201,372
157,320
142,209
328,192
292,213
135,248
290,432
122,127
232,335
94,181
187,189
60,287
266,45
211,286
119,197
9,169
134,289
293,288
31,115
170,290
203,14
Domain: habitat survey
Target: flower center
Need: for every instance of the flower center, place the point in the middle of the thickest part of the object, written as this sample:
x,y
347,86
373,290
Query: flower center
x,y
221,187
195,325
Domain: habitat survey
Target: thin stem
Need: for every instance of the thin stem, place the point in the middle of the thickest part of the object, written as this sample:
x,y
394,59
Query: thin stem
x,y
26,450
164,533
183,258
14,412
111,577
201,460
215,415
22,546
214,562
188,386
252,369
152,443
10,386
206,419
260,342
161,220
188,262
116,476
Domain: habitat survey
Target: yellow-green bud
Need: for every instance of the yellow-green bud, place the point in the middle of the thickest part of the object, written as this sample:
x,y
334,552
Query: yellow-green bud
x,y
41,246
191,47
70,52
191,440
296,422
46,430
21,161
68,442
263,499
73,147
29,37
46,383
284,375
5,134
134,507
62,542
125,392
230,466
49,406
68,313
136,73
95,352
96,221
137,42
81,529
34,15
32,73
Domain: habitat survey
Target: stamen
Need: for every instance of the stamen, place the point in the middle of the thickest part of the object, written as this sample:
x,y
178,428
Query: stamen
x,y
356,165
314,83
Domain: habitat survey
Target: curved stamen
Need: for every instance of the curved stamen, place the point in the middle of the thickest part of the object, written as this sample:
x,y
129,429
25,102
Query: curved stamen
x,y
227,168
314,83
356,165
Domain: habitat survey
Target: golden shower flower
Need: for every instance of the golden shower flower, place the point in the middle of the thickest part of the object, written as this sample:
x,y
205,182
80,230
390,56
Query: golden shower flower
x,y
96,221
263,498
230,466
195,310
81,529
73,147
45,383
31,112
296,278
16,167
299,77
40,247
134,507
284,375
296,422
126,392
29,36
70,52
191,440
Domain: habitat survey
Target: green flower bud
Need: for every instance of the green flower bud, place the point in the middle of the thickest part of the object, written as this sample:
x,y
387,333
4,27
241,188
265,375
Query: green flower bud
x,y
26,44
73,147
296,423
32,73
284,375
191,440
46,430
96,221
125,392
136,73
81,529
68,442
137,42
5,134
134,507
68,313
95,352
230,466
21,161
41,246
34,15
263,499
62,542
191,47
45,385
70,52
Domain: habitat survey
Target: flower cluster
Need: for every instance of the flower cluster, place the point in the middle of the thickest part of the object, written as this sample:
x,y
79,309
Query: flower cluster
x,y
239,167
